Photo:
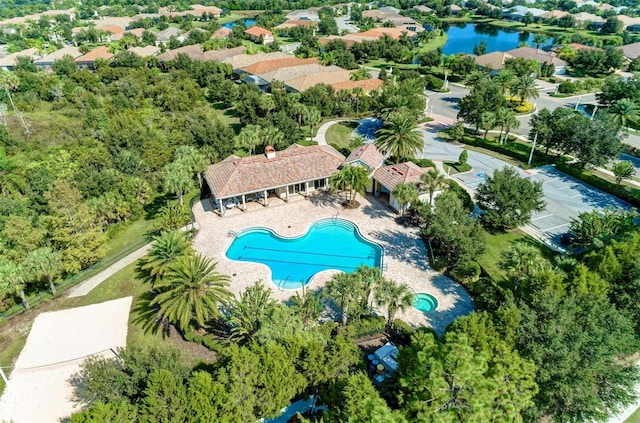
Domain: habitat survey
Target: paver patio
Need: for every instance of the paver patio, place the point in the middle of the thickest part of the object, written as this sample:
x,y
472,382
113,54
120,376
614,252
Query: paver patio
x,y
404,260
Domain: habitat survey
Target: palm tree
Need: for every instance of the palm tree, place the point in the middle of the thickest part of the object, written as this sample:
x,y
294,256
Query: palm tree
x,y
308,305
193,160
249,138
539,39
167,247
312,117
12,281
521,261
433,180
526,88
368,279
340,289
248,313
487,122
475,78
396,297
504,115
351,178
510,122
45,263
405,194
505,80
176,179
623,111
400,138
191,290
298,110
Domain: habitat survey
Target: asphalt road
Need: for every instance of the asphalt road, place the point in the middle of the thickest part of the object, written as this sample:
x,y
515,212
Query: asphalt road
x,y
446,104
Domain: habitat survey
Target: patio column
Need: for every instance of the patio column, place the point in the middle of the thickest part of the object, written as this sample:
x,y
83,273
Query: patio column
x,y
244,204
266,201
221,207
287,196
306,188
326,184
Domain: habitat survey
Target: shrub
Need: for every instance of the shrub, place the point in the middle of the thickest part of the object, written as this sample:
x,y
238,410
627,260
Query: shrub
x,y
462,194
424,162
524,108
466,272
433,83
464,156
365,327
402,331
567,87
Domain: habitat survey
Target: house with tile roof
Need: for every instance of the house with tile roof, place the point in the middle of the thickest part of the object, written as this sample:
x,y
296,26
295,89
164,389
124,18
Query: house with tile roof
x,y
540,56
295,23
260,35
310,14
47,61
221,33
275,64
631,51
164,36
243,60
116,32
145,51
303,83
136,32
88,61
8,62
367,85
272,176
493,61
193,51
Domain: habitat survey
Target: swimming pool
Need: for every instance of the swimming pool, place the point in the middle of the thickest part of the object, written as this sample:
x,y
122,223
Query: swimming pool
x,y
368,127
328,244
425,302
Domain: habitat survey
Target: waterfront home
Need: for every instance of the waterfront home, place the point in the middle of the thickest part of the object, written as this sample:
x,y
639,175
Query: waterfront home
x,y
260,35
540,56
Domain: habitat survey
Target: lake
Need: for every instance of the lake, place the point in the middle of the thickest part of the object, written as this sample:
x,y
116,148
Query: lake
x,y
462,38
247,23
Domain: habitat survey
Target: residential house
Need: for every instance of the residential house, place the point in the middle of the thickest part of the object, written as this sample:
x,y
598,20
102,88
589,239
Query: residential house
x,y
123,22
399,21
631,51
239,61
367,85
116,32
252,74
272,176
88,61
540,56
141,16
295,23
630,24
164,36
310,14
423,9
311,80
47,61
183,37
517,13
293,72
223,54
368,157
197,10
554,15
221,33
193,51
573,46
260,35
145,51
8,62
588,19
136,32
493,61
455,9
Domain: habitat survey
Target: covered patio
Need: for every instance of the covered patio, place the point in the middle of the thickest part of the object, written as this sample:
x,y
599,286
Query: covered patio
x,y
276,176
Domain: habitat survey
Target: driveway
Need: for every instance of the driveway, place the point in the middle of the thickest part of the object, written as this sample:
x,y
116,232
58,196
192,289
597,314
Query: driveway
x,y
565,196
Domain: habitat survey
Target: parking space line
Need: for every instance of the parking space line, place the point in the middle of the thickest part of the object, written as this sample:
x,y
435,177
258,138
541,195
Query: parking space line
x,y
557,227
577,195
552,180
542,217
565,187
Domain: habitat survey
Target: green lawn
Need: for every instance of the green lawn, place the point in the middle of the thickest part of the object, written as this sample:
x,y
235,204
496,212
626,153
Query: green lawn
x,y
340,133
634,418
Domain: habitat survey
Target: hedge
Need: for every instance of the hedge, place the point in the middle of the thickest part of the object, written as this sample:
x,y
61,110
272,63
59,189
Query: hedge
x,y
364,327
424,162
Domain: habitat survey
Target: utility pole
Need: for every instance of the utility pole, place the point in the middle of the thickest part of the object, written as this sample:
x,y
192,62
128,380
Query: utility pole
x,y
533,147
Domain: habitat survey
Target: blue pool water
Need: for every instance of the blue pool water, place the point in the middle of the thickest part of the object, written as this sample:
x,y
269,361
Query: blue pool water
x,y
247,23
329,244
368,127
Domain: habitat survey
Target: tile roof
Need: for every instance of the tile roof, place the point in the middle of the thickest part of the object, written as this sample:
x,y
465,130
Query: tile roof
x,y
349,39
367,154
575,46
366,84
122,22
97,53
114,29
293,23
275,64
258,31
626,20
287,74
223,32
423,9
394,33
10,60
537,55
555,14
401,173
494,61
584,16
223,54
59,54
631,51
166,34
145,51
194,51
243,60
305,82
136,32
242,175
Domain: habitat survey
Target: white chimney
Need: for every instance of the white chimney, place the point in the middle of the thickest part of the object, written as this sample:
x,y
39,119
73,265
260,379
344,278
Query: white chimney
x,y
270,152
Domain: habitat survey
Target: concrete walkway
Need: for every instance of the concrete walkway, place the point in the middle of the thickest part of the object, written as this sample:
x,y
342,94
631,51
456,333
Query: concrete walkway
x,y
85,287
321,135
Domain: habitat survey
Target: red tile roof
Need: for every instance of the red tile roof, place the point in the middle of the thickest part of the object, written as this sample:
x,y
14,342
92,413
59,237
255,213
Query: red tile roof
x,y
275,64
97,53
367,154
366,84
242,175
257,31
401,173
221,33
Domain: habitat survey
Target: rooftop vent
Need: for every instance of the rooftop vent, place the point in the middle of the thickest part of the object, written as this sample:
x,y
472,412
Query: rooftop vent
x,y
270,152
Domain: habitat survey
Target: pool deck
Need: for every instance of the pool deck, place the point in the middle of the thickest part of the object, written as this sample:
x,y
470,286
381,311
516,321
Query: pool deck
x,y
405,256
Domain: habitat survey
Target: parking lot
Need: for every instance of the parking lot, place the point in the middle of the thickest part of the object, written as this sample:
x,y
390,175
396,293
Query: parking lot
x,y
566,197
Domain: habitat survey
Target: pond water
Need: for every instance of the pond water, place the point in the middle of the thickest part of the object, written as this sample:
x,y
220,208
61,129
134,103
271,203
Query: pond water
x,y
247,23
462,38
